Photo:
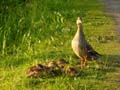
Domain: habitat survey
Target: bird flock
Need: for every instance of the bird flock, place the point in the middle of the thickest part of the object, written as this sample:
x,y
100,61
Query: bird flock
x,y
80,47
52,68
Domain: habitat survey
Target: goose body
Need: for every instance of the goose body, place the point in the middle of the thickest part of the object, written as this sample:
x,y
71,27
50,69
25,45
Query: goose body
x,y
78,42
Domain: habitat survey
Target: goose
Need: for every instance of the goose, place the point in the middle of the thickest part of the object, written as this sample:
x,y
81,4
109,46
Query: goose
x,y
81,47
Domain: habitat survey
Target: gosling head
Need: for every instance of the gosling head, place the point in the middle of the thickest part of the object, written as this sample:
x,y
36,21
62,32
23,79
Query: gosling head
x,y
34,71
52,64
61,63
40,67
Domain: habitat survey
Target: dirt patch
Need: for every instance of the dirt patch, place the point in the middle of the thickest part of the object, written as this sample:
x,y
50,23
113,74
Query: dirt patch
x,y
113,9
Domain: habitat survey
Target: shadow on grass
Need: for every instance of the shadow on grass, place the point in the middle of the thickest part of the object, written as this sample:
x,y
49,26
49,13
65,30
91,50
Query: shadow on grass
x,y
107,64
110,60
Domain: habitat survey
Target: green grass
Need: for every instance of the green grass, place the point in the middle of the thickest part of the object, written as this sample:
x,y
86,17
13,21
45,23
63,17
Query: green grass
x,y
37,31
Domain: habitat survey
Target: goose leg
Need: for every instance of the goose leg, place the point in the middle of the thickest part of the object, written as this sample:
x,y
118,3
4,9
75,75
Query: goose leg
x,y
81,62
85,61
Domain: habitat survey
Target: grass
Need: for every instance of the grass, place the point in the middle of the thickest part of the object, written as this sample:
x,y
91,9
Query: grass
x,y
33,31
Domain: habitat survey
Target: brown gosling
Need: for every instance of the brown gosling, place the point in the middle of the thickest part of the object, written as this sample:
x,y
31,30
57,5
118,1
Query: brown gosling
x,y
70,71
51,67
61,63
35,71
52,64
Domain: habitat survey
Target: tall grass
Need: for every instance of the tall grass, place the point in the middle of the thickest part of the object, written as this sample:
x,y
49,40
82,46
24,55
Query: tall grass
x,y
27,23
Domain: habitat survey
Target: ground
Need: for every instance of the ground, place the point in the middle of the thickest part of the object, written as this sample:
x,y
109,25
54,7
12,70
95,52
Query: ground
x,y
32,32
113,9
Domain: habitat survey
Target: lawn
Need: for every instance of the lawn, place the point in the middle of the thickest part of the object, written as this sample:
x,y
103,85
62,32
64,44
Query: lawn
x,y
37,31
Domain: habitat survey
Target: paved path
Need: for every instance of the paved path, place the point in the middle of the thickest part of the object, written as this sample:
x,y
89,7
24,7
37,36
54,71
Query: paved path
x,y
113,8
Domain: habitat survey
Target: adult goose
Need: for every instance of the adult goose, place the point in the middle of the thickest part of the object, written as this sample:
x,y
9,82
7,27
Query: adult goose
x,y
81,47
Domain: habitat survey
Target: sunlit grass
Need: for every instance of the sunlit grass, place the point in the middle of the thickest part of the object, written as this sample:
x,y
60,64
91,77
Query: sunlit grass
x,y
37,31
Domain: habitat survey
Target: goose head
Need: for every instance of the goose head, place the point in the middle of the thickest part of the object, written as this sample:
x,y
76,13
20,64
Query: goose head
x,y
79,21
